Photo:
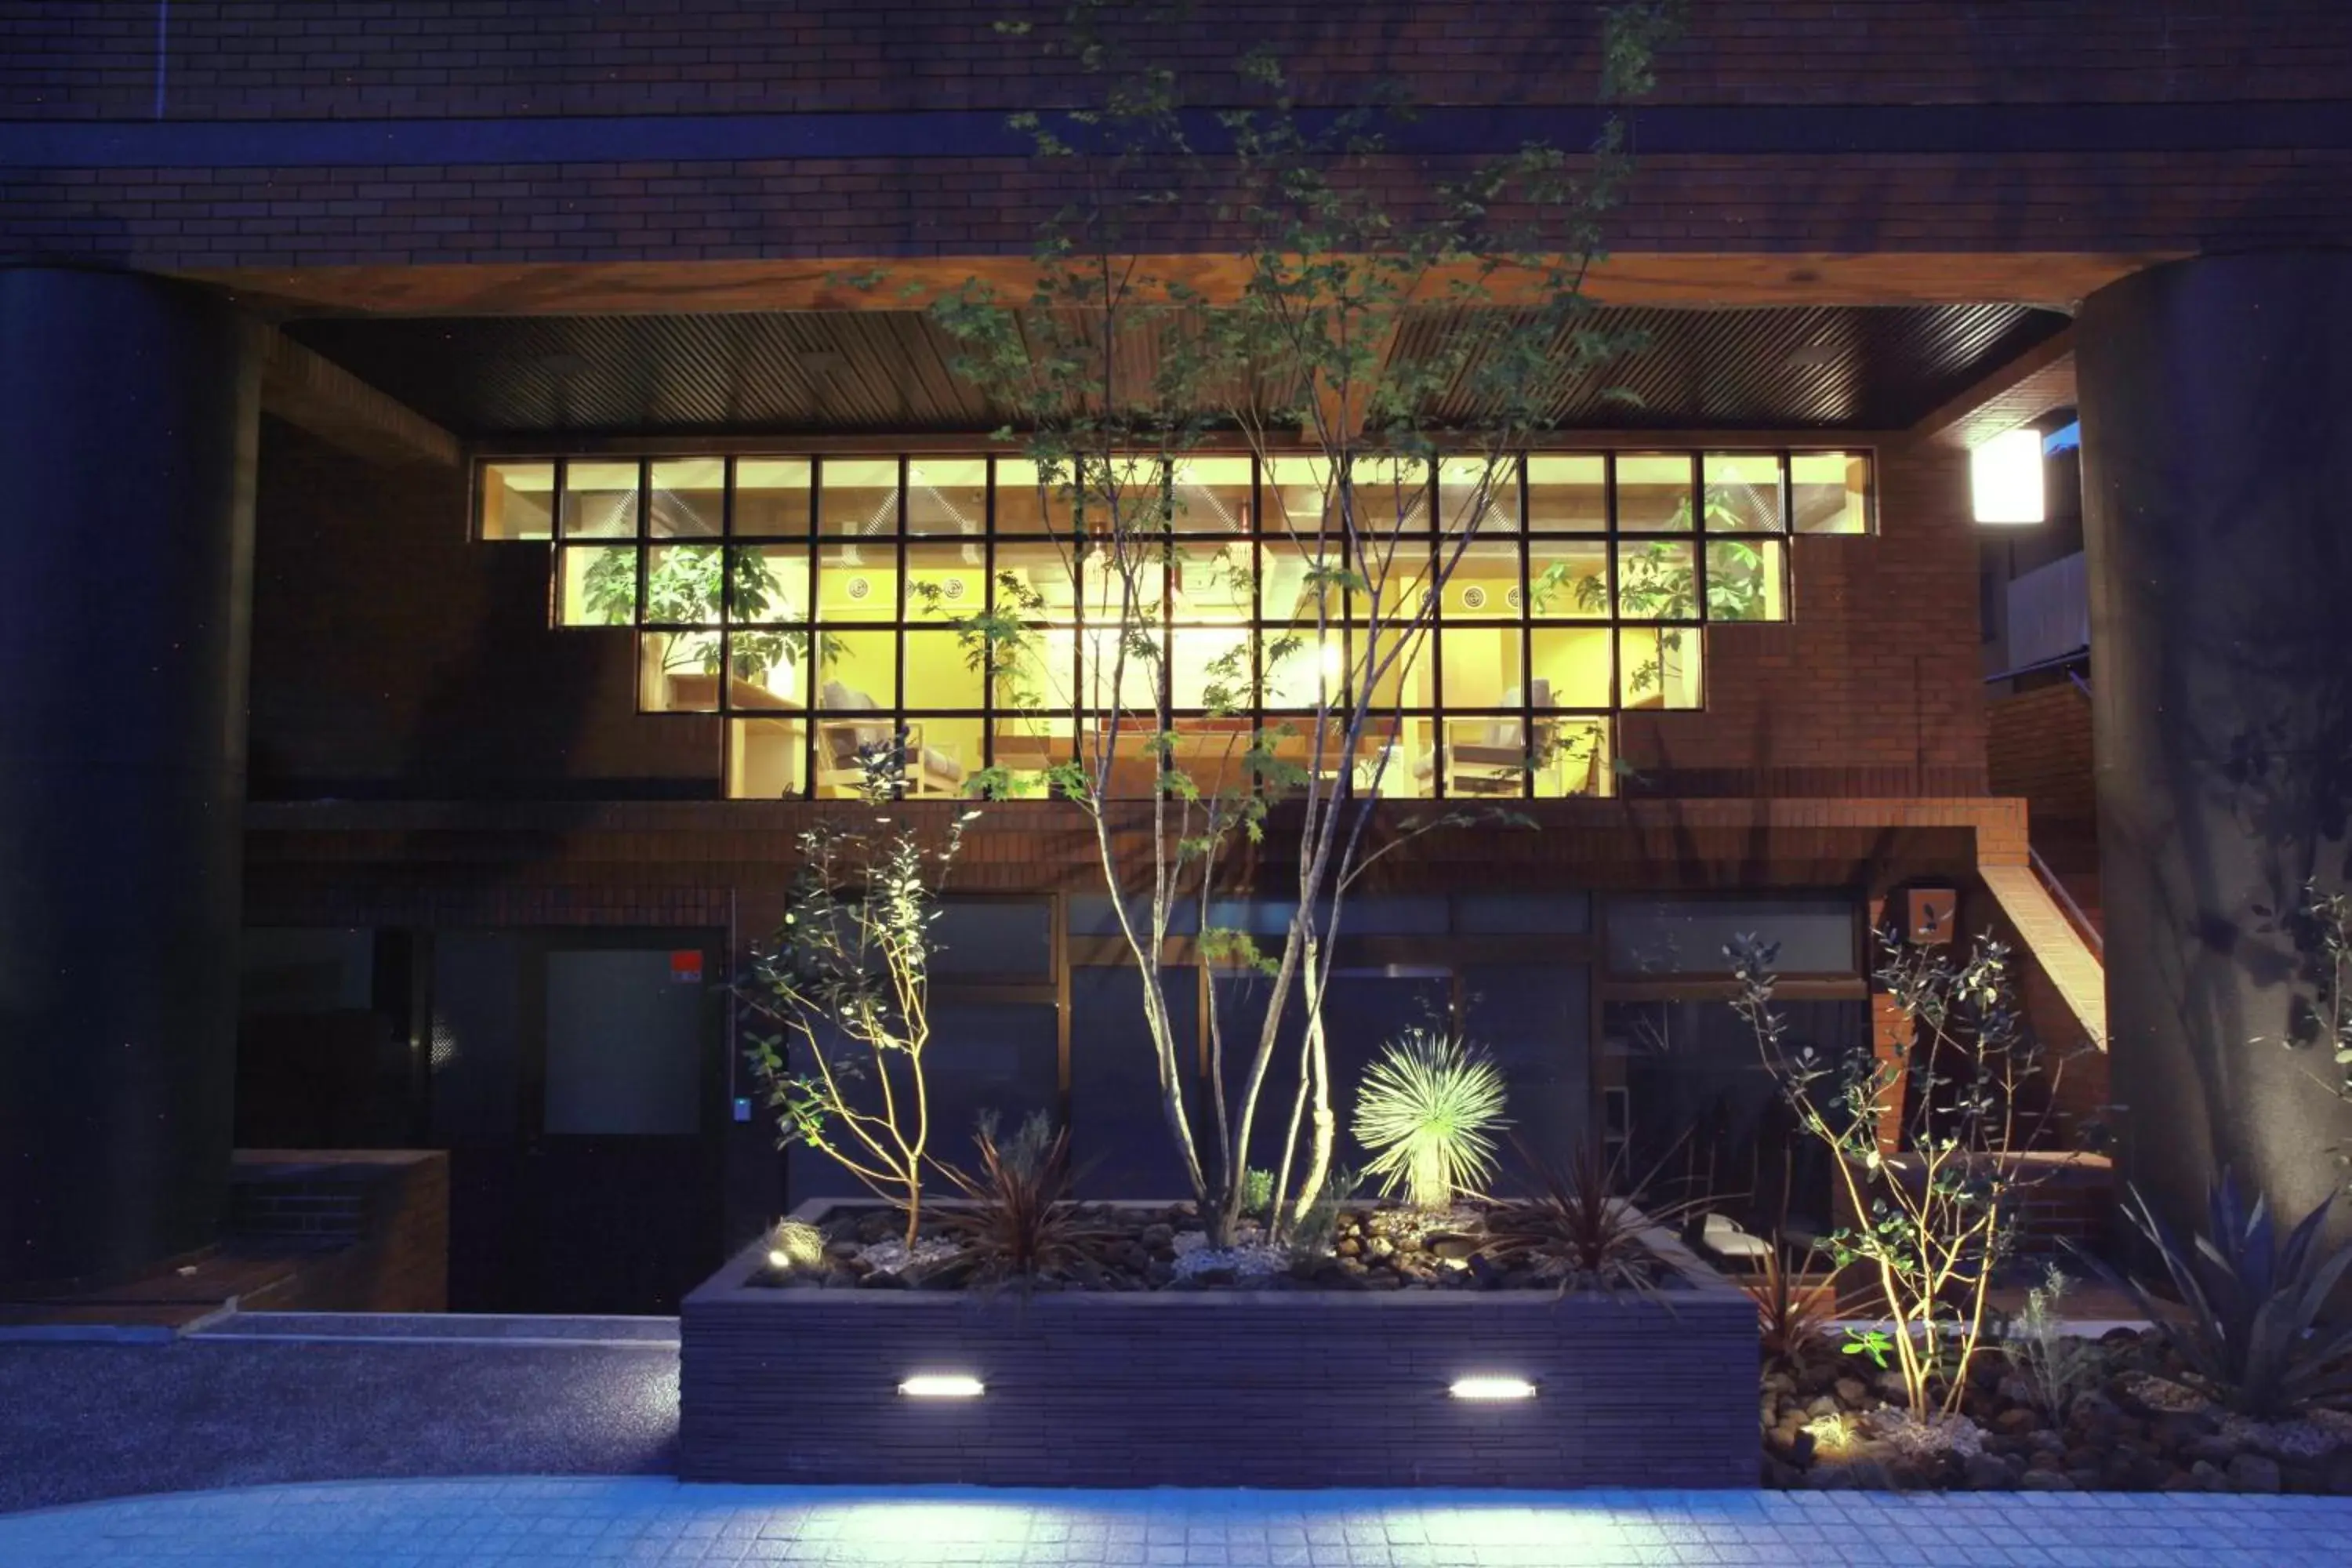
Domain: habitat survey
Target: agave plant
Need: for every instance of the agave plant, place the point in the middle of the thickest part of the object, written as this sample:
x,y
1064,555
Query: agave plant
x,y
2252,1331
1021,1222
1427,1110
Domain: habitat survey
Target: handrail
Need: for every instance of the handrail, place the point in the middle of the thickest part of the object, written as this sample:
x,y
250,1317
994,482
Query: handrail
x,y
2057,889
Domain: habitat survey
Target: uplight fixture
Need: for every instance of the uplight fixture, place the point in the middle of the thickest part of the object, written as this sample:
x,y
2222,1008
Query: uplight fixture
x,y
940,1385
1492,1388
2005,478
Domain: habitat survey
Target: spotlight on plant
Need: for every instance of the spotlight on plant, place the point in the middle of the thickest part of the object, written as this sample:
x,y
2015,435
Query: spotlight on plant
x,y
1427,1109
795,1244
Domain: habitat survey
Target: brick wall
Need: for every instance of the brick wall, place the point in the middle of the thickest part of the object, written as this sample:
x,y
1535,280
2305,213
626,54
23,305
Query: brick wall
x,y
1871,689
1304,1388
2038,746
203,219
68,59
391,653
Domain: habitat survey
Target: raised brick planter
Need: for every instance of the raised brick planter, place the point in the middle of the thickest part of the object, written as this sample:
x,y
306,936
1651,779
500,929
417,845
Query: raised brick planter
x,y
1305,1388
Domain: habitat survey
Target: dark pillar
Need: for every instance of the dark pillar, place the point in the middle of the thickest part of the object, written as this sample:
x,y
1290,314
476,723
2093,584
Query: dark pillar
x,y
128,414
2216,399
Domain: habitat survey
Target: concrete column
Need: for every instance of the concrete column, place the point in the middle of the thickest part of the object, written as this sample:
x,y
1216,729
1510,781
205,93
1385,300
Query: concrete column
x,y
2216,399
129,416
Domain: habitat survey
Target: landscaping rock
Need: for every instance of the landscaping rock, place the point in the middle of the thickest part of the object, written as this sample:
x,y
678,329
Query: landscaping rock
x,y
1985,1473
2159,1396
2253,1473
2044,1481
2205,1476
2212,1450
1159,1237
1851,1393
2017,1421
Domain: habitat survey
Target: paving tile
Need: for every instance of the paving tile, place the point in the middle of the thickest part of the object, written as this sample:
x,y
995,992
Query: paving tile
x,y
641,1522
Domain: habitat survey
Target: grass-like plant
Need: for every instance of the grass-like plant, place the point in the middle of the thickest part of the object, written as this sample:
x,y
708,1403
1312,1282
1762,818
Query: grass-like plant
x,y
1308,1240
2055,1366
1583,1224
795,1244
1789,1313
1023,1221
2252,1332
1427,1109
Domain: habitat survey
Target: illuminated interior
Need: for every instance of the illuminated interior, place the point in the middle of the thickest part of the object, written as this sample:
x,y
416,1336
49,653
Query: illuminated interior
x,y
841,598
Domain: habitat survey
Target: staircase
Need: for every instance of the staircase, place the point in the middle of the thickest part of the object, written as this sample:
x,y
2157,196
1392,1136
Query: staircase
x,y
2061,939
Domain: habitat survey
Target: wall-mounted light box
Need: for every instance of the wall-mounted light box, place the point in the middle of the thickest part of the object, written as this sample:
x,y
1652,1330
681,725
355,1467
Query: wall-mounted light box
x,y
1489,1387
2005,478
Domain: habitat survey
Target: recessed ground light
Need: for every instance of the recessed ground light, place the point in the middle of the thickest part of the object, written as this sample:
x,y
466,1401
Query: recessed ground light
x,y
1492,1388
940,1385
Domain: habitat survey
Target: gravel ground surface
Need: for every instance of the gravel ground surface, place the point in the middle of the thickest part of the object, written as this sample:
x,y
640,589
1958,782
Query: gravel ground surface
x,y
84,1421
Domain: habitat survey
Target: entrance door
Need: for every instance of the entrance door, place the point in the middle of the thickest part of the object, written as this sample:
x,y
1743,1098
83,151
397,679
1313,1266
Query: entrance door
x,y
585,1117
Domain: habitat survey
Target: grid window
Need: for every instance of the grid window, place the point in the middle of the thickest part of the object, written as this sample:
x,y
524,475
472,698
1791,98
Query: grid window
x,y
831,607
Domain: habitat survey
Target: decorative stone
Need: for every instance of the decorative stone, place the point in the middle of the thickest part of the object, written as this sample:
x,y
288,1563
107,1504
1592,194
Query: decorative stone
x,y
1851,1392
1985,1473
2253,1473
2039,1481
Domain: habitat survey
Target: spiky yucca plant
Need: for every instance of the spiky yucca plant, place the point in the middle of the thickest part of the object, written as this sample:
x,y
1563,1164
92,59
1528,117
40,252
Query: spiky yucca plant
x,y
1426,1110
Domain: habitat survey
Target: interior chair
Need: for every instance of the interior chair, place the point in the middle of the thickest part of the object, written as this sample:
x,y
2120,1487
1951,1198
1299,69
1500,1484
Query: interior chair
x,y
931,772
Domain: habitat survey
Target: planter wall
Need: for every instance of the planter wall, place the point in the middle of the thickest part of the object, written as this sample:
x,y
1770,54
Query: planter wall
x,y
1305,1388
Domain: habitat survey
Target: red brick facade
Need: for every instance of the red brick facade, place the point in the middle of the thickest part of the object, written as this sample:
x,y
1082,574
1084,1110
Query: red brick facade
x,y
497,57
2101,177
2038,747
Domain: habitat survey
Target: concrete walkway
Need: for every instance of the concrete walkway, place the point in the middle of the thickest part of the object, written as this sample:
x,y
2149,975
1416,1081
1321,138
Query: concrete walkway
x,y
638,1520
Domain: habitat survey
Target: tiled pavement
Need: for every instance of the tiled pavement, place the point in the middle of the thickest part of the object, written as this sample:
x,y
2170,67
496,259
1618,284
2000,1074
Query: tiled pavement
x,y
640,1520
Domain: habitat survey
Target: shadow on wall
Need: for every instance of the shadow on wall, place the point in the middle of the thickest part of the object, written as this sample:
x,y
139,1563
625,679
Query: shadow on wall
x,y
394,657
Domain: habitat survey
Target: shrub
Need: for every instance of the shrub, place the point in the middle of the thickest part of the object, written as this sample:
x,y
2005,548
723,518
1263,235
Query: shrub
x,y
1427,1108
840,1001
2252,1332
1936,1212
1257,1192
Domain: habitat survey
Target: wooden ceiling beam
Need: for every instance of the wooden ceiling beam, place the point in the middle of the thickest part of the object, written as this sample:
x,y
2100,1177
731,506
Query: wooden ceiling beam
x,y
2025,389
667,287
308,390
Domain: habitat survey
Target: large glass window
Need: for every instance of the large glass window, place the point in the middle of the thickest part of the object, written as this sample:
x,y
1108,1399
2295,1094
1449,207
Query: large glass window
x,y
827,605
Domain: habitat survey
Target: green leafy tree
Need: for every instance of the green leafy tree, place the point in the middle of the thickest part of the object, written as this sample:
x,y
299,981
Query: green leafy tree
x,y
841,998
1935,1217
1290,357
